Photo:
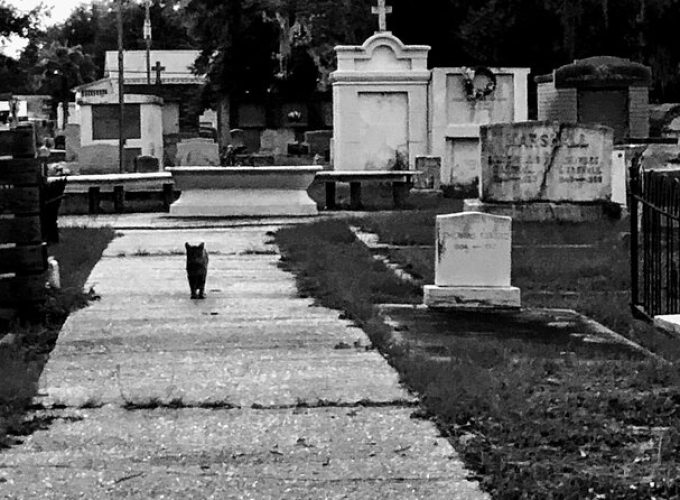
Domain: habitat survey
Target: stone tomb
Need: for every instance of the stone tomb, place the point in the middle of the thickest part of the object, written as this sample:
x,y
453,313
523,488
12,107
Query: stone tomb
x,y
456,119
380,105
473,262
243,191
198,152
544,170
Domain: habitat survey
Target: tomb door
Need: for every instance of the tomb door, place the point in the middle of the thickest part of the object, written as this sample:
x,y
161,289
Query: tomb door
x,y
383,130
606,107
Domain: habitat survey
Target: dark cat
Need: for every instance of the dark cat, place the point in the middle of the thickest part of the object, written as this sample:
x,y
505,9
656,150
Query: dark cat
x,y
197,269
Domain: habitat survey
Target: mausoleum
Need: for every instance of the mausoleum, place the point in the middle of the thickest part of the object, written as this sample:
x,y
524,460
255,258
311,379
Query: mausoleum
x,y
604,90
380,104
99,126
390,111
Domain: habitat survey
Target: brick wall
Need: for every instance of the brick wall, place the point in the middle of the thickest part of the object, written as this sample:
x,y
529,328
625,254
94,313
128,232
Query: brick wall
x,y
556,104
638,107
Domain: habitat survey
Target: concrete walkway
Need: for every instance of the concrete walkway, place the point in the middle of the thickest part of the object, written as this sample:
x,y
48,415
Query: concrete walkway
x,y
243,395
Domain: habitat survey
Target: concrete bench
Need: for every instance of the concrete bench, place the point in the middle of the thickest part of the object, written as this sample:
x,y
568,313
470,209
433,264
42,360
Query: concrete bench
x,y
119,184
401,180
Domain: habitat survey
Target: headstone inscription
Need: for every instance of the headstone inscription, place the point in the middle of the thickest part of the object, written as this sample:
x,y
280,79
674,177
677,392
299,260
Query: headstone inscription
x,y
546,162
473,263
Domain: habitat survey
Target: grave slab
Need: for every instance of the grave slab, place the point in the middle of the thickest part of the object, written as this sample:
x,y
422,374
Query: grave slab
x,y
472,297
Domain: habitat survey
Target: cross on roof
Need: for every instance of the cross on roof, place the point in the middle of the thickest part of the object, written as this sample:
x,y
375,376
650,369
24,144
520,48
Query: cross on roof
x,y
158,69
382,10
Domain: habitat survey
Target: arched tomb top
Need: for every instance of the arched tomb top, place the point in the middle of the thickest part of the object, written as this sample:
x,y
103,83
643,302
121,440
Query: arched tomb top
x,y
382,53
603,71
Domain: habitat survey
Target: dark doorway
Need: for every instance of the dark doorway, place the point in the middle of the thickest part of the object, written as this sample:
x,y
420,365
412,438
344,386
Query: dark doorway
x,y
606,107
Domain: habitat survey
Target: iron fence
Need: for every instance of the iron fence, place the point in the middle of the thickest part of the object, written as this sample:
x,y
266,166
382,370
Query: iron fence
x,y
654,241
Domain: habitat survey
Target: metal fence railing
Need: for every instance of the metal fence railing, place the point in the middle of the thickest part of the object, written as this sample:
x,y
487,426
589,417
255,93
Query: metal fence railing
x,y
654,241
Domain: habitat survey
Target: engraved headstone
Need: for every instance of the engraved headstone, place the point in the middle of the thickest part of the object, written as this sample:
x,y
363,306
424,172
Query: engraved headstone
x,y
473,263
546,162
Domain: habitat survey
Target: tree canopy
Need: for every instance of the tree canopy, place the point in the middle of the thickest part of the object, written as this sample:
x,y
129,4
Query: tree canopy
x,y
264,47
13,74
238,37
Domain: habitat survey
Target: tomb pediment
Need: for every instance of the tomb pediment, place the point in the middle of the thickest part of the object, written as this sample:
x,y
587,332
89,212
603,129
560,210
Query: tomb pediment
x,y
381,54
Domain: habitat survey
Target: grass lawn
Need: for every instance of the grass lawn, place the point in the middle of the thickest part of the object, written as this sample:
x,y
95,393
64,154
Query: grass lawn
x,y
21,363
529,422
581,266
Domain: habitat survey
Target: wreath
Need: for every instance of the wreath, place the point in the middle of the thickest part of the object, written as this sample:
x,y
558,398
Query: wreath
x,y
476,93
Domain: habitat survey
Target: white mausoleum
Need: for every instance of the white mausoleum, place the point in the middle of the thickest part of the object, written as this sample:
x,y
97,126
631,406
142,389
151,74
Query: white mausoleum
x,y
389,108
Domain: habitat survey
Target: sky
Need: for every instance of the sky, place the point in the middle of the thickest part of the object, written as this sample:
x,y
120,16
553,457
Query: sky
x,y
60,9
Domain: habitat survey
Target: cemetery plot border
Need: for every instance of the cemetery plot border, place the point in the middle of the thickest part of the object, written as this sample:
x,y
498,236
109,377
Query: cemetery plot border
x,y
655,243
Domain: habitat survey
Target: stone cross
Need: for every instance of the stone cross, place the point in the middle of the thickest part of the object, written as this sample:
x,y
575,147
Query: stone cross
x,y
382,10
158,69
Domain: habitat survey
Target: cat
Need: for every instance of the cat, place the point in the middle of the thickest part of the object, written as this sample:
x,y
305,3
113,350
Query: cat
x,y
197,269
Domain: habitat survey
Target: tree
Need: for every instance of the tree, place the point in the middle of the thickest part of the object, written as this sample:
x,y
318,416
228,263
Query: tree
x,y
93,27
14,23
61,69
262,48
14,76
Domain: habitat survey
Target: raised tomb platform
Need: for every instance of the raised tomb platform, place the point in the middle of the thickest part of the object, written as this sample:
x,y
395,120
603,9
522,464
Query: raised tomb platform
x,y
243,191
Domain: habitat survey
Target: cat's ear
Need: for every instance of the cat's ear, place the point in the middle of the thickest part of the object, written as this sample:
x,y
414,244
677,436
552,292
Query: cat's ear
x,y
201,246
186,245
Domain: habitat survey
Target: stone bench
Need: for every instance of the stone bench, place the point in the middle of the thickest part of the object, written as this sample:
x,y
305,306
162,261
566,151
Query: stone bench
x,y
401,180
119,184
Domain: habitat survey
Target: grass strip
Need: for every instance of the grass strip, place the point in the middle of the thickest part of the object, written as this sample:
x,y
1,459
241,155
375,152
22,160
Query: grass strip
x,y
23,359
527,422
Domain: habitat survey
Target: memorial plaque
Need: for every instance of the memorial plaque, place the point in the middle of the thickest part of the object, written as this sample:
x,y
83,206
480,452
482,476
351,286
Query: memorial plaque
x,y
546,162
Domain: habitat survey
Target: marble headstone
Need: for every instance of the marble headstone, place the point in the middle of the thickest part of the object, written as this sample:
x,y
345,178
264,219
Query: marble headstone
x,y
473,262
546,162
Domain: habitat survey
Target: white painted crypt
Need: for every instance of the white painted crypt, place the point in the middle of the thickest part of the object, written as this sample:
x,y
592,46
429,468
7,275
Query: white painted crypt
x,y
380,104
389,109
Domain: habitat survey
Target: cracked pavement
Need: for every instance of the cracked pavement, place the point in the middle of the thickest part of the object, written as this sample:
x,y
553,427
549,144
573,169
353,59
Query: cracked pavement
x,y
246,394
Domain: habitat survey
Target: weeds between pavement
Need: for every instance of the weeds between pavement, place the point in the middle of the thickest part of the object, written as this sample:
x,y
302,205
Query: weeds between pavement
x,y
22,360
528,423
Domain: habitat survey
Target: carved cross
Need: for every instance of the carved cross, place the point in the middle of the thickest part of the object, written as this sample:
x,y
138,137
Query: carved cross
x,y
382,10
158,69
